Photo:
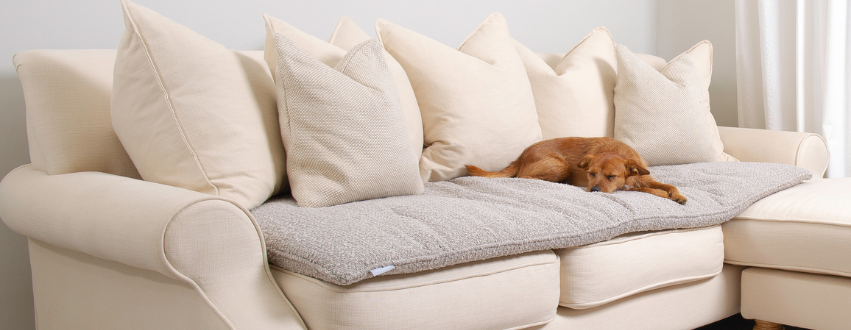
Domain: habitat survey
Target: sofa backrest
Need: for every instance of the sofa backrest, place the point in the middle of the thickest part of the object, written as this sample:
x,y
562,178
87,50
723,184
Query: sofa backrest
x,y
67,93
69,127
68,121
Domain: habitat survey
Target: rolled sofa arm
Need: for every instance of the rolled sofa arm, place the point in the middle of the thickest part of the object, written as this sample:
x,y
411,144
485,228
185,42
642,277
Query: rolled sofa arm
x,y
807,150
205,241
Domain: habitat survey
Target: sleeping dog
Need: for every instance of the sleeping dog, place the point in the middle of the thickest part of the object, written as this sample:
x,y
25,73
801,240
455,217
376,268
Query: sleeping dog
x,y
598,164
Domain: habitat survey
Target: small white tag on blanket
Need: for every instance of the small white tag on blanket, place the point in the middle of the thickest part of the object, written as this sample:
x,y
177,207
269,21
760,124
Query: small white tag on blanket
x,y
382,270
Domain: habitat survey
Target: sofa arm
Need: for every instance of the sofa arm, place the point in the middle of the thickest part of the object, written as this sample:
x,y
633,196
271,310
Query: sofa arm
x,y
805,150
205,241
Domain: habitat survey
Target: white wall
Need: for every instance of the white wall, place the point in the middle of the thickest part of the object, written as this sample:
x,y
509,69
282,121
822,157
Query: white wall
x,y
683,23
545,26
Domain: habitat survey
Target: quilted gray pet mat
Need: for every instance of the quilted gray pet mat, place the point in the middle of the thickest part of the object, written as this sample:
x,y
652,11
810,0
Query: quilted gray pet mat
x,y
472,218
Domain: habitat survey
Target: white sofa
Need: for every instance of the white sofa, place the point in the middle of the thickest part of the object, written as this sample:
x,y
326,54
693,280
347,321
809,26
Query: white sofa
x,y
109,250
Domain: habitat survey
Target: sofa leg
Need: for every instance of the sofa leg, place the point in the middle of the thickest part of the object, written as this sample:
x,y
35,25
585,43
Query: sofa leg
x,y
765,325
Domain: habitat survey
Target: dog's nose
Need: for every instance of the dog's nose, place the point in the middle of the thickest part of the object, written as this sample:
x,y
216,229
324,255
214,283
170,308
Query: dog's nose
x,y
595,189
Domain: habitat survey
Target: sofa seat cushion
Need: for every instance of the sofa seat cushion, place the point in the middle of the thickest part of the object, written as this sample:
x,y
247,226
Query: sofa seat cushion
x,y
600,273
804,228
508,292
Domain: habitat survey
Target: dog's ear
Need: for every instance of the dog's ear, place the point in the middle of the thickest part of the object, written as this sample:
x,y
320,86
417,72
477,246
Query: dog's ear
x,y
585,161
634,168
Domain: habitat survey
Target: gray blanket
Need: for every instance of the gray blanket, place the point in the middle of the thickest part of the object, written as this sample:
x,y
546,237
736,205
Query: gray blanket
x,y
470,218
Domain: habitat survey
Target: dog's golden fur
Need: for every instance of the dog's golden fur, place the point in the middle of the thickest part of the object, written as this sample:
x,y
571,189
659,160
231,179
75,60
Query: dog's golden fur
x,y
598,164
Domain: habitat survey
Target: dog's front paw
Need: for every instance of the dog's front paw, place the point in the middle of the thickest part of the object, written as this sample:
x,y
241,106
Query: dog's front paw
x,y
679,198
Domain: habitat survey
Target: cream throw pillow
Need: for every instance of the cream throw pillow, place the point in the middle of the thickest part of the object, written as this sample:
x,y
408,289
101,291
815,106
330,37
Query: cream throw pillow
x,y
574,97
665,114
342,127
476,102
345,36
194,114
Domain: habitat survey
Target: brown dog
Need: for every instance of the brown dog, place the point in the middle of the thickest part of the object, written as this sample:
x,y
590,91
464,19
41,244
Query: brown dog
x,y
599,164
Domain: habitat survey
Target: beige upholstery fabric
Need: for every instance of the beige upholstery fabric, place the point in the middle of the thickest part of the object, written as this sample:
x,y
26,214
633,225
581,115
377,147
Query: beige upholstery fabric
x,y
203,241
194,114
103,215
600,273
347,35
683,306
805,150
68,122
797,299
219,249
501,293
342,127
74,290
665,114
574,97
804,228
476,102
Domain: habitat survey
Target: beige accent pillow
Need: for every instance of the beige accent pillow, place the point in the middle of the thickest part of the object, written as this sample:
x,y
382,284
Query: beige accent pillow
x,y
574,96
665,114
342,127
194,114
476,102
345,36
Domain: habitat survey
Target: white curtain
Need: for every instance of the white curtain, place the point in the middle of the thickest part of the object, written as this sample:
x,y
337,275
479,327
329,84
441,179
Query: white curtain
x,y
793,66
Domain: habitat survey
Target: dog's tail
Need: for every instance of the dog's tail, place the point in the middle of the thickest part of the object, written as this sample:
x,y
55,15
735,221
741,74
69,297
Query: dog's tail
x,y
508,172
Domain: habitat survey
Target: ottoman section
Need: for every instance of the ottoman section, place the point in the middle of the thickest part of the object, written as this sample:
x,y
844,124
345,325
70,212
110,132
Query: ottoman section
x,y
812,301
804,228
600,273
502,293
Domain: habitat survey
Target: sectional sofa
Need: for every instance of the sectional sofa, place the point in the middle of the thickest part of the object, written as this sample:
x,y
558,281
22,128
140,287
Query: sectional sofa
x,y
121,236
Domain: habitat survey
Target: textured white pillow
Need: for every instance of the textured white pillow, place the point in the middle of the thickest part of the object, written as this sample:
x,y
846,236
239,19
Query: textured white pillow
x,y
665,114
476,102
345,36
574,96
194,114
342,127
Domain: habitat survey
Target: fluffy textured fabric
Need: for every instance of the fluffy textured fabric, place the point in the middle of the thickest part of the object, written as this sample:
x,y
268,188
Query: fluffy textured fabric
x,y
471,218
